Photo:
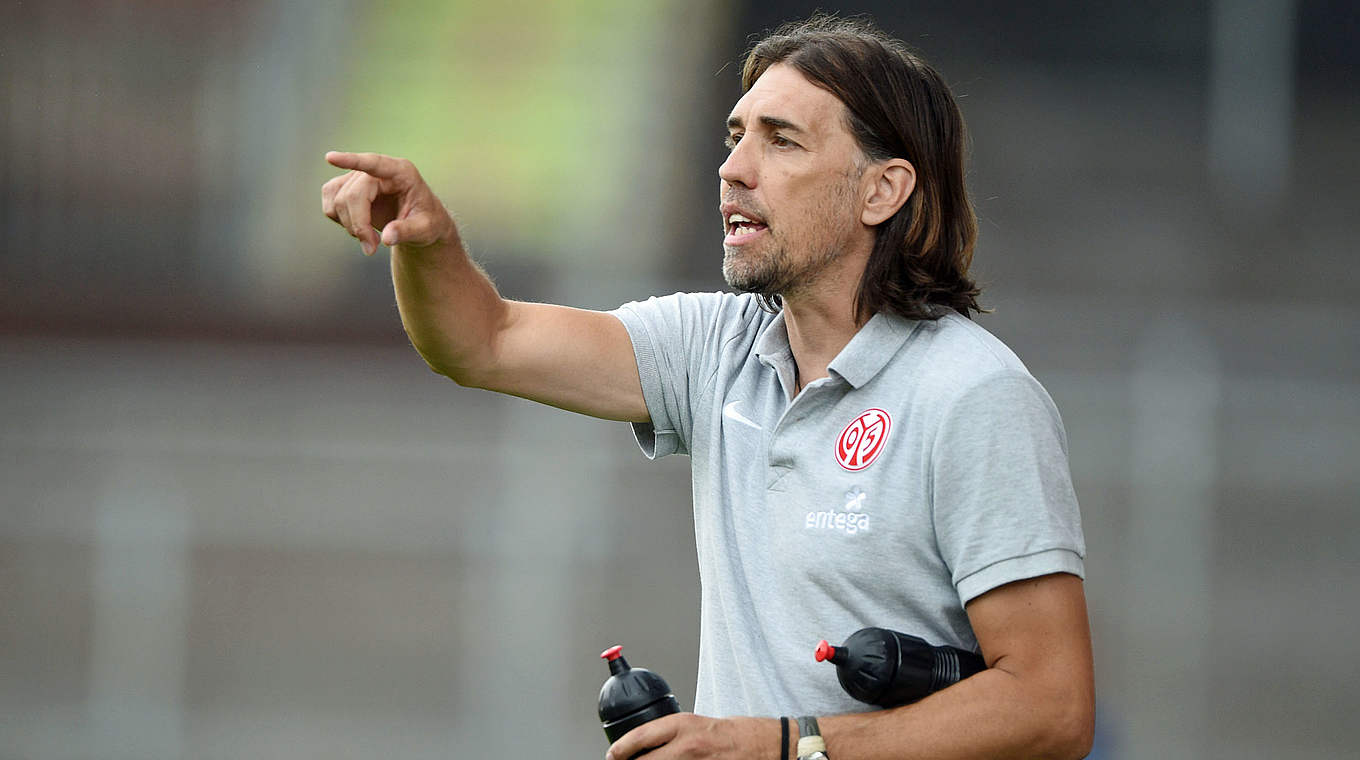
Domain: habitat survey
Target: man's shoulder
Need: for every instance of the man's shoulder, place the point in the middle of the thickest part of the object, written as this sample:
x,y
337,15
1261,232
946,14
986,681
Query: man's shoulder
x,y
948,355
958,337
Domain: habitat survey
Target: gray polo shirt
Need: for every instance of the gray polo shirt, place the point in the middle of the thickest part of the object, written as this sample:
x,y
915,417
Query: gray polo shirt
x,y
928,468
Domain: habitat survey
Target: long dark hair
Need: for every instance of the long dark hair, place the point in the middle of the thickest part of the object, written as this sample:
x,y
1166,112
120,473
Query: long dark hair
x,y
898,107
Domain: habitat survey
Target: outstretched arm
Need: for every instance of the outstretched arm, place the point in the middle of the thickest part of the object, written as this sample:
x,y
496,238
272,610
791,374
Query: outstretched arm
x,y
1035,700
574,359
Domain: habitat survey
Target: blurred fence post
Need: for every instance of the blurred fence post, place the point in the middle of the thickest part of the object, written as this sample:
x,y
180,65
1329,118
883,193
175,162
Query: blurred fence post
x,y
1251,102
141,611
1174,460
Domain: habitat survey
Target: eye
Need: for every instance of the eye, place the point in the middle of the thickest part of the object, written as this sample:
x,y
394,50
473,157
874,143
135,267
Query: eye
x,y
731,140
780,141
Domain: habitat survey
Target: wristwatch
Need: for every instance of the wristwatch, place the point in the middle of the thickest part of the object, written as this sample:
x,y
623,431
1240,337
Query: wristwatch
x,y
810,743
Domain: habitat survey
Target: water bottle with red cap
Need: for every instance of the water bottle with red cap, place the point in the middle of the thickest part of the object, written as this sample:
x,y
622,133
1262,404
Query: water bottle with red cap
x,y
631,696
887,668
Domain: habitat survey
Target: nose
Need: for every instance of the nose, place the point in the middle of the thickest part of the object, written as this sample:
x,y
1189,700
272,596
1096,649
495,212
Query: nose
x,y
739,168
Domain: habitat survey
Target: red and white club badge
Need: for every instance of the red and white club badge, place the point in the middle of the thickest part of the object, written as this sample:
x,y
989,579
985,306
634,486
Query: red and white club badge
x,y
862,440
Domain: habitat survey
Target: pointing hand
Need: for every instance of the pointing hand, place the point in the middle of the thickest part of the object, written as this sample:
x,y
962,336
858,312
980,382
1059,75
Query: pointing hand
x,y
384,199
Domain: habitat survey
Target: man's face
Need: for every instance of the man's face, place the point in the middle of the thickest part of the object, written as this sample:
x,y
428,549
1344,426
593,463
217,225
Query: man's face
x,y
790,194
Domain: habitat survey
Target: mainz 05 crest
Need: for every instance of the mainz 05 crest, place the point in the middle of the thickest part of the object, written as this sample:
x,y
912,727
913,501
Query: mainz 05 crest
x,y
862,440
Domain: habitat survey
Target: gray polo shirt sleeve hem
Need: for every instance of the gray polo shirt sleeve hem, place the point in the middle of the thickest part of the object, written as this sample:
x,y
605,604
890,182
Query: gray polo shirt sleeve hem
x,y
1019,568
656,440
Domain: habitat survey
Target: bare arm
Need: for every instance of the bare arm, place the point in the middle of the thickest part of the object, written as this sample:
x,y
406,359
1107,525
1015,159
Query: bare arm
x,y
570,358
1035,700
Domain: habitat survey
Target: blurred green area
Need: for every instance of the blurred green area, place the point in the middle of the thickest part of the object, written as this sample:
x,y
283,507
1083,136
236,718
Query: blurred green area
x,y
499,104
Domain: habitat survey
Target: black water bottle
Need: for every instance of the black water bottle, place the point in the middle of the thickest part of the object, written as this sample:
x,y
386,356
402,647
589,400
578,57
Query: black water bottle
x,y
886,668
631,696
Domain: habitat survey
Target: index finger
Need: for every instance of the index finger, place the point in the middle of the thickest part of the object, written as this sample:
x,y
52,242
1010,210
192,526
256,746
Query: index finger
x,y
376,164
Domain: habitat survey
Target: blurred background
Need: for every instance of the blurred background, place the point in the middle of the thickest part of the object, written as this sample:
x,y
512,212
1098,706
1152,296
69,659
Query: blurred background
x,y
240,518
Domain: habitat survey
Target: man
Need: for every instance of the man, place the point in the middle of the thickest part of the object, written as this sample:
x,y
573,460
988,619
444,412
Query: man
x,y
863,453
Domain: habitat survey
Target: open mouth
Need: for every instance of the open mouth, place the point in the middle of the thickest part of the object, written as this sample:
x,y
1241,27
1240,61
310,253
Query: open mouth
x,y
740,226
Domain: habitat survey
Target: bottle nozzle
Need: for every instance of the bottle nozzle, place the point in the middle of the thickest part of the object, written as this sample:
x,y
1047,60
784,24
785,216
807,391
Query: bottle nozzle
x,y
825,651
614,655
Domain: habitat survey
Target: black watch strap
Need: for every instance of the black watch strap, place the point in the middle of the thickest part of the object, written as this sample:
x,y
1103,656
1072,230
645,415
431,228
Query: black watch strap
x,y
810,743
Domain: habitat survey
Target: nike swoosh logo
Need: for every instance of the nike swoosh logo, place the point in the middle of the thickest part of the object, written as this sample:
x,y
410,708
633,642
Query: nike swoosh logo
x,y
731,413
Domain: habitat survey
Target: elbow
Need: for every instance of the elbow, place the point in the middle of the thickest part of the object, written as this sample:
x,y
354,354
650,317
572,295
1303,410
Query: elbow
x,y
1062,722
439,367
1080,737
441,363
1071,730
462,377
469,367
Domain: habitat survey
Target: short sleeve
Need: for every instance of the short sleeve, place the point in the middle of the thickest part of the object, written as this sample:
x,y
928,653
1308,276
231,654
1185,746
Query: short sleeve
x,y
675,340
1002,499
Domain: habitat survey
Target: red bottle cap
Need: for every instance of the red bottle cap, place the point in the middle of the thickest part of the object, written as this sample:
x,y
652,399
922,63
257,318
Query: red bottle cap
x,y
824,651
611,653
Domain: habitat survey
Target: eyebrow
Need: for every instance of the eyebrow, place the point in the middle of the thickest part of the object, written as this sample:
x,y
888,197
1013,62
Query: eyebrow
x,y
773,122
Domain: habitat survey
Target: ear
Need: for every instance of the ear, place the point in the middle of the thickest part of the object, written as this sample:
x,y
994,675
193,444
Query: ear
x,y
892,183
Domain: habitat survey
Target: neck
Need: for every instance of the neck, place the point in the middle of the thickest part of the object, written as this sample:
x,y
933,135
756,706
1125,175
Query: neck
x,y
820,322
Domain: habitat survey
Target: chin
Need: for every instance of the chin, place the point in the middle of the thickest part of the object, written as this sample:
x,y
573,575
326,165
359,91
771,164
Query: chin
x,y
738,276
747,284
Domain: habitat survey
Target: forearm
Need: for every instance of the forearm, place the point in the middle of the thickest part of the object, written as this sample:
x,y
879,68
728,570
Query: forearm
x,y
990,715
993,714
573,359
449,307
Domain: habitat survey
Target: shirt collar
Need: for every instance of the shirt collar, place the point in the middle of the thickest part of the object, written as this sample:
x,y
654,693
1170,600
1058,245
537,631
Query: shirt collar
x,y
872,347
863,357
772,349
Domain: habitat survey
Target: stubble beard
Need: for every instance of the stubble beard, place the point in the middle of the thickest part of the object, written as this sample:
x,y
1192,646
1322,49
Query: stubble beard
x,y
762,273
774,271
770,268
